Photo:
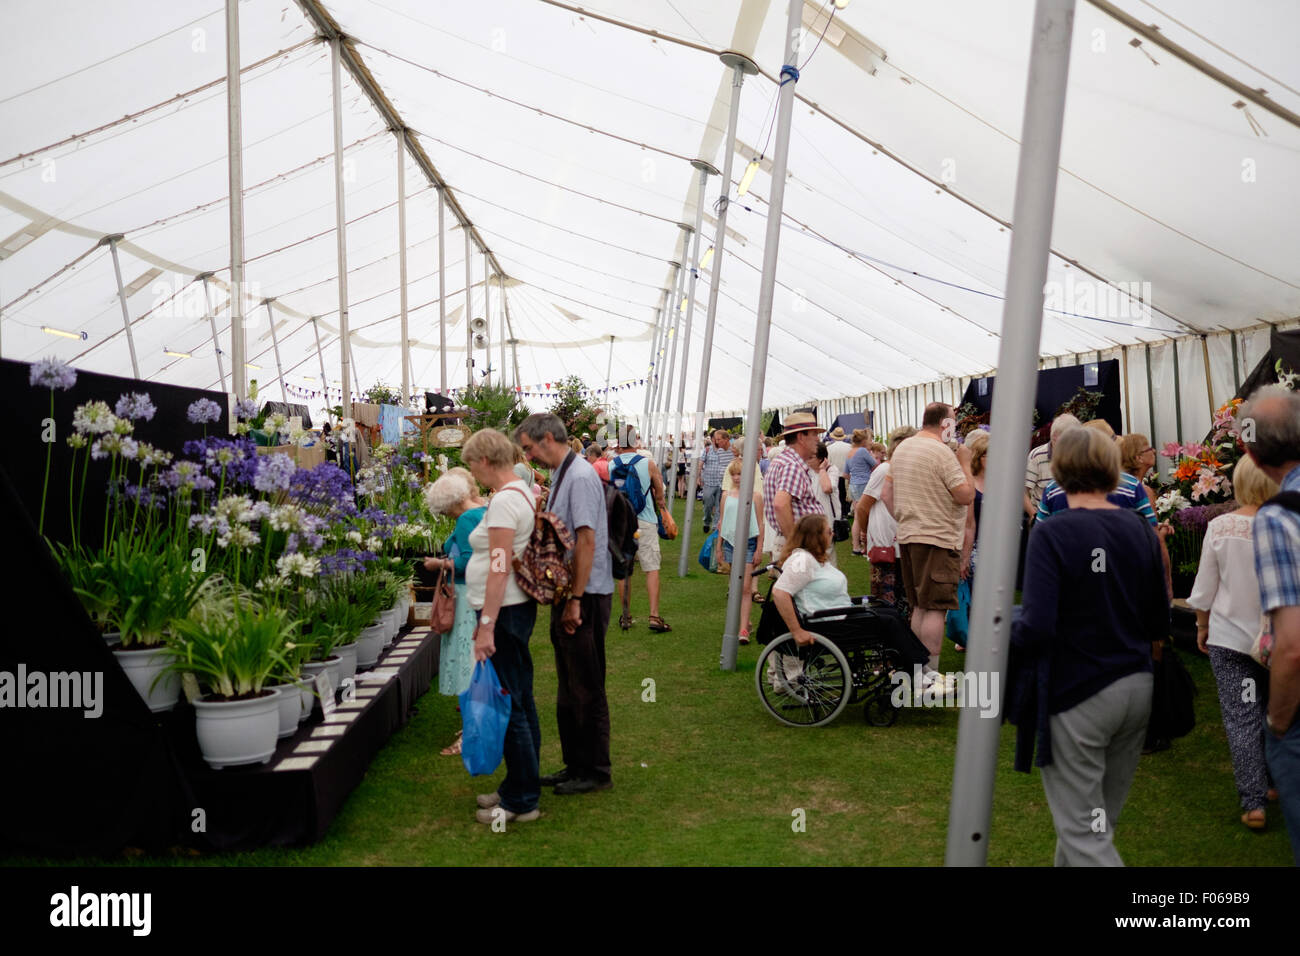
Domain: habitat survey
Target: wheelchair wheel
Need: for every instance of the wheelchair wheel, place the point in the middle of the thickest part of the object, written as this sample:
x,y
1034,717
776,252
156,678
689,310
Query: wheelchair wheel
x,y
879,710
803,686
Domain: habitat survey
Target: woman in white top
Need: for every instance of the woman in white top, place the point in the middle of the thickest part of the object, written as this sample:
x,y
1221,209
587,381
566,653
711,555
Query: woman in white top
x,y
1228,617
808,582
881,539
753,545
825,480
505,616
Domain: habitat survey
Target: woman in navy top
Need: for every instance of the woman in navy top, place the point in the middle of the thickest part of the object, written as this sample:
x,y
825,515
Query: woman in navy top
x,y
1080,678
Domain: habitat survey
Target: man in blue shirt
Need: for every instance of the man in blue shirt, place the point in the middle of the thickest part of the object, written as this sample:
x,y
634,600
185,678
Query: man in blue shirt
x,y
578,626
713,466
1270,429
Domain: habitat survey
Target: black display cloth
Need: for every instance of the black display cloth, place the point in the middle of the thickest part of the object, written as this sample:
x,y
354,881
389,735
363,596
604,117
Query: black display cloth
x,y
850,421
28,407
1056,386
1281,345
288,410
726,424
292,800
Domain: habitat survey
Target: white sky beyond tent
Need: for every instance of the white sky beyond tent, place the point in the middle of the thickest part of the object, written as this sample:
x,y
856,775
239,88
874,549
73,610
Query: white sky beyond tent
x,y
566,139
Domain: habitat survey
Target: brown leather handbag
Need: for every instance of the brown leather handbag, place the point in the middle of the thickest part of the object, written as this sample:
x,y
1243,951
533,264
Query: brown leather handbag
x,y
442,616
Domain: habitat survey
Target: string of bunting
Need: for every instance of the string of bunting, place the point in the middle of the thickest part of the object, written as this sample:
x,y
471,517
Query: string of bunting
x,y
539,390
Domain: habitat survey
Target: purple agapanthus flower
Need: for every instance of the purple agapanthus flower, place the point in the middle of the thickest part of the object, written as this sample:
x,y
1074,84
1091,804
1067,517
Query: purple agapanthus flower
x,y
204,411
52,374
238,456
325,490
135,406
274,472
245,409
346,560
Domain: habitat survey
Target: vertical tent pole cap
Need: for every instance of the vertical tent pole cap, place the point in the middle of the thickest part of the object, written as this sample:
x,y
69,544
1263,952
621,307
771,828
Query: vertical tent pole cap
x,y
731,59
706,166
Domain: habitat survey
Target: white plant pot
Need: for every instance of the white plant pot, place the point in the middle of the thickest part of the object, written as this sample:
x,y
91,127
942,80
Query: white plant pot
x,y
142,666
290,701
236,732
393,616
371,644
347,662
112,638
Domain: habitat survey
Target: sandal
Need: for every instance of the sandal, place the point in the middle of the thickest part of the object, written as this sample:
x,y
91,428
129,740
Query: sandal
x,y
658,624
454,749
744,636
625,621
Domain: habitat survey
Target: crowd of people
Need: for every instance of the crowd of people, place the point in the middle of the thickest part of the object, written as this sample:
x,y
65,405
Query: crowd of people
x,y
1087,637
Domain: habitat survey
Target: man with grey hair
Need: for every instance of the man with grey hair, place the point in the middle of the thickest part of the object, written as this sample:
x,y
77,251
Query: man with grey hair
x,y
1038,467
1270,430
578,626
713,466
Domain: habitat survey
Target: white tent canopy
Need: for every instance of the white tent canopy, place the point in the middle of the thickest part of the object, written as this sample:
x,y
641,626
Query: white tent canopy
x,y
566,137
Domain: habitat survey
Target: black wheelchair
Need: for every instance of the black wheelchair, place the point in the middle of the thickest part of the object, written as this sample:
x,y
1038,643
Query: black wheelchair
x,y
856,651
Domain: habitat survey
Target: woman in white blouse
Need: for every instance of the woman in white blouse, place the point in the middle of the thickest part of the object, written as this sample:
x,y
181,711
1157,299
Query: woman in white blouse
x,y
1226,599
505,617
808,582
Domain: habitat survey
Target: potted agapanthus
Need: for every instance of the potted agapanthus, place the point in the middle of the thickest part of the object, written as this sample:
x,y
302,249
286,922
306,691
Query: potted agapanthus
x,y
234,651
150,591
368,591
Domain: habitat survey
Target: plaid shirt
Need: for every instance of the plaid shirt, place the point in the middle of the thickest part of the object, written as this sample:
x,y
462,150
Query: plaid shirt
x,y
1277,552
789,473
714,467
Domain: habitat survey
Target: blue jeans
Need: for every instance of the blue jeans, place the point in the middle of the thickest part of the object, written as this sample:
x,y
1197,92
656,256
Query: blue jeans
x,y
1283,756
514,666
712,496
728,551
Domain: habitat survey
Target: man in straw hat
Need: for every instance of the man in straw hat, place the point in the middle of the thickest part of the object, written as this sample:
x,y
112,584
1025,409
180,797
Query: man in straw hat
x,y
788,483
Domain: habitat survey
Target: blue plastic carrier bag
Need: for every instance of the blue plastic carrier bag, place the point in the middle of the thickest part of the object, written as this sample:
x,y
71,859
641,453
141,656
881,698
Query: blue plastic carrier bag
x,y
485,712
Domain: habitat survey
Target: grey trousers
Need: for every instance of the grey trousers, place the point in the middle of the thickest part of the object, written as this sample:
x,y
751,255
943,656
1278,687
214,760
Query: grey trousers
x,y
1095,750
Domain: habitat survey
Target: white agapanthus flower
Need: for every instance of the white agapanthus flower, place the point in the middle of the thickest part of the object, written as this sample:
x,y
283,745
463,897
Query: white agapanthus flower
x,y
239,536
94,418
298,564
354,537
236,509
373,543
286,518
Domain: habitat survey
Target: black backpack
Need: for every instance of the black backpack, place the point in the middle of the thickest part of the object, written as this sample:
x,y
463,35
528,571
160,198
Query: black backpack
x,y
622,532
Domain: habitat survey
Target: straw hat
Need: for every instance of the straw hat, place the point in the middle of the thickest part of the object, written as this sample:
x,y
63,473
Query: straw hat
x,y
800,422
838,434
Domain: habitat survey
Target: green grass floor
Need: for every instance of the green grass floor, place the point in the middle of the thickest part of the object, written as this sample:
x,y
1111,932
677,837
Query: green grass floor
x,y
704,776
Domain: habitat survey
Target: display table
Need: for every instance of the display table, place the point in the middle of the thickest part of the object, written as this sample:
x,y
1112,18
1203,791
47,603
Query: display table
x,y
293,799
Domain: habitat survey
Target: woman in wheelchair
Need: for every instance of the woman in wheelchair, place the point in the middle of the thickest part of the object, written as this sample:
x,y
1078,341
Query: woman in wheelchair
x,y
809,582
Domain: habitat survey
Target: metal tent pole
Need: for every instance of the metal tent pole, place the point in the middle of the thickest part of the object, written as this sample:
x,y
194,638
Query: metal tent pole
x,y
609,368
680,418
442,291
510,327
275,345
324,382
1178,394
1209,384
341,225
487,318
469,333
971,807
501,338
652,371
235,164
212,322
740,66
121,298
661,364
665,401
401,265
763,327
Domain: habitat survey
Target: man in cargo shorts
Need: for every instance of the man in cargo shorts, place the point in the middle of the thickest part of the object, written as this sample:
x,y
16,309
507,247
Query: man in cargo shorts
x,y
931,488
647,522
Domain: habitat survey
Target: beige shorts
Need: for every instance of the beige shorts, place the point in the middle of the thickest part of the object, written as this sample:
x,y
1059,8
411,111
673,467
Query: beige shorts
x,y
647,545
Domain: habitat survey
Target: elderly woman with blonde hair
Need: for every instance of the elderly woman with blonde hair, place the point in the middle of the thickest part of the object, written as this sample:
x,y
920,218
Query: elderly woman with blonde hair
x,y
455,494
1228,615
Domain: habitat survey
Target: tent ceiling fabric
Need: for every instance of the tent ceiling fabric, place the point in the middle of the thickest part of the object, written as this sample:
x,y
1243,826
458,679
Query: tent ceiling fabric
x,y
567,140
